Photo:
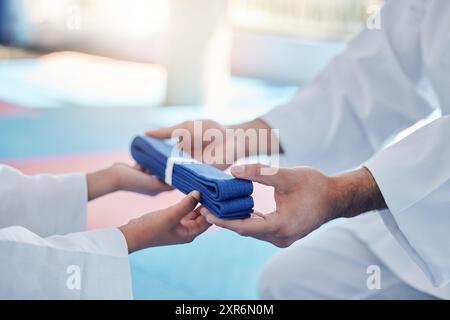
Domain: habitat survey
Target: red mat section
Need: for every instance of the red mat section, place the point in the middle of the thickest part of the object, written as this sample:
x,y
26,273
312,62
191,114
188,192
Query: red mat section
x,y
119,208
8,110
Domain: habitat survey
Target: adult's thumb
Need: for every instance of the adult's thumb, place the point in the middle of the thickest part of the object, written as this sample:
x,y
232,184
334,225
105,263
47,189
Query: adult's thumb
x,y
162,133
259,173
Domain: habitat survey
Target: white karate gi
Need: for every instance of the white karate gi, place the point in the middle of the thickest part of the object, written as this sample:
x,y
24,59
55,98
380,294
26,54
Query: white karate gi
x,y
384,82
45,252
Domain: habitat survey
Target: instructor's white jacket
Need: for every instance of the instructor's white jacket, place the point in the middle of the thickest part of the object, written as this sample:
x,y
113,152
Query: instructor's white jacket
x,y
44,251
386,81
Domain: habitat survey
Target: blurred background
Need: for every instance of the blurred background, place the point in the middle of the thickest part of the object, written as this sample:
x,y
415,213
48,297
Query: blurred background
x,y
80,78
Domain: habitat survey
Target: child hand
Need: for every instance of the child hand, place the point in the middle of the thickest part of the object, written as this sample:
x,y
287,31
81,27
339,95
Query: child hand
x,y
137,179
178,224
122,177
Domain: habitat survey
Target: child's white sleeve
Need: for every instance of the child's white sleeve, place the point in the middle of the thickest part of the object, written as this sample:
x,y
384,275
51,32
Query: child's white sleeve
x,y
44,204
85,265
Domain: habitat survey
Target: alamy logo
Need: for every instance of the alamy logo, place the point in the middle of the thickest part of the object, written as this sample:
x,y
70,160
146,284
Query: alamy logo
x,y
218,147
73,281
374,280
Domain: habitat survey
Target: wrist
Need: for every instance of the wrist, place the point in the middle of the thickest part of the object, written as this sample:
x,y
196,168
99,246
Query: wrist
x,y
131,232
355,193
101,182
115,180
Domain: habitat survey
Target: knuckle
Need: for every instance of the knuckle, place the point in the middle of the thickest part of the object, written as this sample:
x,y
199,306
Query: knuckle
x,y
283,173
190,239
280,244
284,243
254,170
184,124
242,232
289,242
192,203
190,199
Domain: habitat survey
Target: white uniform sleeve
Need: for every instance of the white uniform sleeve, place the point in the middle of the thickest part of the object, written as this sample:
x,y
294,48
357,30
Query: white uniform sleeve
x,y
414,177
89,265
43,204
365,96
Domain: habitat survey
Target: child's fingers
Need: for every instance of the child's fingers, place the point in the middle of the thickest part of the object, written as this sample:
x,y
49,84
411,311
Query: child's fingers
x,y
196,226
184,207
191,216
202,224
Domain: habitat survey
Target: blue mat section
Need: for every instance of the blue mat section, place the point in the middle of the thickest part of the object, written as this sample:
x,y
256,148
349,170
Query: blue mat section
x,y
218,265
73,130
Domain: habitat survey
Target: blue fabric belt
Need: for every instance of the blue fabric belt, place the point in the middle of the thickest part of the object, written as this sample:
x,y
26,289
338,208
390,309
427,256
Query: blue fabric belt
x,y
222,194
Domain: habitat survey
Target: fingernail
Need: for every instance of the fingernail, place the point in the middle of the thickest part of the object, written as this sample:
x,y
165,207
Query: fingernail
x,y
238,170
209,219
195,194
203,211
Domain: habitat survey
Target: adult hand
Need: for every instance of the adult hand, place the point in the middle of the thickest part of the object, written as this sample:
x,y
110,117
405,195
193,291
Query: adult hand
x,y
305,199
178,224
216,144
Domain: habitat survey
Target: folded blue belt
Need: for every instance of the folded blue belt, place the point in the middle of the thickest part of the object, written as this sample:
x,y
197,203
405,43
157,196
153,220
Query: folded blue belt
x,y
222,194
